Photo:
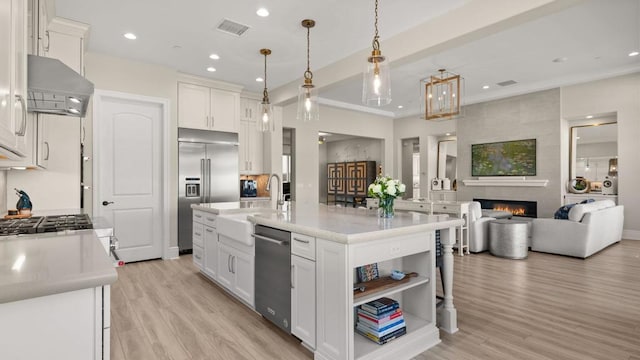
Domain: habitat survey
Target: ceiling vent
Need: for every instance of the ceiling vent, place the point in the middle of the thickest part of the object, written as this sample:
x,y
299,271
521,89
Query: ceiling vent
x,y
232,27
507,83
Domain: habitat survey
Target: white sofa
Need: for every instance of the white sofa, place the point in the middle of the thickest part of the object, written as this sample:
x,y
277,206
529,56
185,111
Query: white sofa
x,y
478,228
590,228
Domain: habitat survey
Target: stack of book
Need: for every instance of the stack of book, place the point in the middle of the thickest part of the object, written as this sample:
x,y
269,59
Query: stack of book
x,y
380,320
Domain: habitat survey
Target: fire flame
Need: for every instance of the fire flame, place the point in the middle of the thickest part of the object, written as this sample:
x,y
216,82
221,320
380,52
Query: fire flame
x,y
517,211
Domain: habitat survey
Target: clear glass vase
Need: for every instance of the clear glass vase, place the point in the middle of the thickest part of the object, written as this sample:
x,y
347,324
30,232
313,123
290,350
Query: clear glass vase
x,y
385,207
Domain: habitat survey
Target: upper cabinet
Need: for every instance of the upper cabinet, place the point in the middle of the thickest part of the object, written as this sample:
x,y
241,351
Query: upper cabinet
x,y
13,79
202,107
251,140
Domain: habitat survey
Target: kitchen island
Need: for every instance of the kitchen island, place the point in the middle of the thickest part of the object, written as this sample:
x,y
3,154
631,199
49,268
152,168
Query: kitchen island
x,y
328,244
54,296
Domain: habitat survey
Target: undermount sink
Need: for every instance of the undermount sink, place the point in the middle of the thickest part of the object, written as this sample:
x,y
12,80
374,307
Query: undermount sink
x,y
236,227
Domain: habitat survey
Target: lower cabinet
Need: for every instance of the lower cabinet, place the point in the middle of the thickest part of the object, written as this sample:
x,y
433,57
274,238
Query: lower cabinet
x,y
69,325
303,299
235,271
210,265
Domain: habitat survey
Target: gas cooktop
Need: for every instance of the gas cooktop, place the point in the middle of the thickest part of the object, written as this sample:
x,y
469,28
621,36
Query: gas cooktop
x,y
40,224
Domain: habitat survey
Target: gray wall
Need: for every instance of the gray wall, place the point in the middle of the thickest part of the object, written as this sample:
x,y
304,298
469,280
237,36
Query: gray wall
x,y
355,150
535,115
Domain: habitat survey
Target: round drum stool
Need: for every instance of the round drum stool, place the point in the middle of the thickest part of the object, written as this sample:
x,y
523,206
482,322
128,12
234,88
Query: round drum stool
x,y
508,238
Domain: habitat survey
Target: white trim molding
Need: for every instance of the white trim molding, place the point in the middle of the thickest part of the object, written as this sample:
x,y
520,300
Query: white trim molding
x,y
497,181
631,234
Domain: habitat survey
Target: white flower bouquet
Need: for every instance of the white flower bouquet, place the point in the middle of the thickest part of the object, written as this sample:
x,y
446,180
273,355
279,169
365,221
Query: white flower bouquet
x,y
386,189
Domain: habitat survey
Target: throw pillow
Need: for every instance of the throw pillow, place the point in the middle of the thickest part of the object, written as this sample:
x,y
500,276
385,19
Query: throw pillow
x,y
563,212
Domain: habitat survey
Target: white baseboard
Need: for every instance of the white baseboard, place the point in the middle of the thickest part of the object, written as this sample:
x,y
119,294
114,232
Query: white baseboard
x,y
171,252
631,234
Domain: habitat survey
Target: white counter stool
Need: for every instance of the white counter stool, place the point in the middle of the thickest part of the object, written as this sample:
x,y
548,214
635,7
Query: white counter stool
x,y
508,238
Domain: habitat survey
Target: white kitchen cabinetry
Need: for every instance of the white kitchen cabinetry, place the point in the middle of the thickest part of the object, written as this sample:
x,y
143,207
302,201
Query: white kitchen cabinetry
x,y
69,325
335,264
201,107
205,243
443,195
211,246
13,78
303,290
251,152
236,263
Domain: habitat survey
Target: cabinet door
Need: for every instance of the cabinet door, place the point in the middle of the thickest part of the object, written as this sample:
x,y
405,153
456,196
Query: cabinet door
x,y
303,299
7,137
255,149
193,106
242,266
198,256
42,29
243,139
210,251
20,75
225,106
43,147
66,48
225,274
248,108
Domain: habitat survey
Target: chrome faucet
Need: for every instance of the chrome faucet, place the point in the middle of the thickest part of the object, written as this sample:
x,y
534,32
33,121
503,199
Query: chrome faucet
x,y
280,200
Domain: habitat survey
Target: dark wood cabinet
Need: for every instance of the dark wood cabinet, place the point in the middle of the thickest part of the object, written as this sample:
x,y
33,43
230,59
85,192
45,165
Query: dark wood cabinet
x,y
347,182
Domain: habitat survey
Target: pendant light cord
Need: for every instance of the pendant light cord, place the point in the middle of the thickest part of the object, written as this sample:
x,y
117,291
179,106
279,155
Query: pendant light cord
x,y
376,44
265,93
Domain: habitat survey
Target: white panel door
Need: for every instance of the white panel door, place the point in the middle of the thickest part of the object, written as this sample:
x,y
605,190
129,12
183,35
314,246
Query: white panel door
x,y
129,174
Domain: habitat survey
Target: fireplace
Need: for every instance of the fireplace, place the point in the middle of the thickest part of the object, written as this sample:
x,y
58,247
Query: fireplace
x,y
516,207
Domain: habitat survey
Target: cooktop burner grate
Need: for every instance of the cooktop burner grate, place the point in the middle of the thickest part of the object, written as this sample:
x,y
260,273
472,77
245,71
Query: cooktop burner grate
x,y
40,224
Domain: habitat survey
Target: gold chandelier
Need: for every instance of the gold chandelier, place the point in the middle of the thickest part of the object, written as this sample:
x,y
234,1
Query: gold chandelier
x,y
442,95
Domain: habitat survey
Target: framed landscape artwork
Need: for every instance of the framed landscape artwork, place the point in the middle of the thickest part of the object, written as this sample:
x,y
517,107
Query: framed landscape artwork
x,y
506,158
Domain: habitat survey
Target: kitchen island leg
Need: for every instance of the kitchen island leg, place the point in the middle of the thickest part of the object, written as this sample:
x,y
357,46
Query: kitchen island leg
x,y
447,315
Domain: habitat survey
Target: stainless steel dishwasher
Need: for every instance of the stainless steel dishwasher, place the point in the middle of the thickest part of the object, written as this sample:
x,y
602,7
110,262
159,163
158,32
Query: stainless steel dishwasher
x,y
273,275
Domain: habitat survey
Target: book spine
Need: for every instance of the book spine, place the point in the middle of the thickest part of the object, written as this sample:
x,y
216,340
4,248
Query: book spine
x,y
380,334
379,310
380,320
381,329
385,339
379,316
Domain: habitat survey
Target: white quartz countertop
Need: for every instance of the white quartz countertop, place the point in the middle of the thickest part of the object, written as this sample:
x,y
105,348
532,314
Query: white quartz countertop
x,y
39,265
350,225
235,207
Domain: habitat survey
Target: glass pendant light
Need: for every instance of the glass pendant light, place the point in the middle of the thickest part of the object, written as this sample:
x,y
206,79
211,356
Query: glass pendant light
x,y
376,84
265,119
307,93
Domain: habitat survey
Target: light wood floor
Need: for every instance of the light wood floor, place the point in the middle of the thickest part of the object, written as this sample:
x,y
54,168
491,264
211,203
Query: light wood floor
x,y
546,307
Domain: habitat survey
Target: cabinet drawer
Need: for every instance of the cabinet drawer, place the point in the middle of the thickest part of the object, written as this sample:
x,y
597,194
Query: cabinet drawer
x,y
198,256
198,234
209,219
303,245
382,250
412,206
446,208
198,216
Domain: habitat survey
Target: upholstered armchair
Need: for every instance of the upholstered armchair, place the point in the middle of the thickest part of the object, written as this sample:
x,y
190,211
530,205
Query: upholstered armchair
x,y
479,228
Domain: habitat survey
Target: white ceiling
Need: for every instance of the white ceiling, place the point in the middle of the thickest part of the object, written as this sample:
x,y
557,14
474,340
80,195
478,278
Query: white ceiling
x,y
595,36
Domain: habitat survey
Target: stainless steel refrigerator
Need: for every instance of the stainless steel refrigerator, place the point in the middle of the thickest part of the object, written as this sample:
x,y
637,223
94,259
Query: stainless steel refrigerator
x,y
208,172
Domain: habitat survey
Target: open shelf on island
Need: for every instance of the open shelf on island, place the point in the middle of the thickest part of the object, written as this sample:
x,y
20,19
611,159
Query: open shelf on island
x,y
376,294
417,328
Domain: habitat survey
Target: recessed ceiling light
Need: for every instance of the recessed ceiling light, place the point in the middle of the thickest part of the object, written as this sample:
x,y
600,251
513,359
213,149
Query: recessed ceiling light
x,y
634,53
589,116
560,60
448,134
485,87
214,57
400,106
259,79
262,12
211,69
130,36
577,137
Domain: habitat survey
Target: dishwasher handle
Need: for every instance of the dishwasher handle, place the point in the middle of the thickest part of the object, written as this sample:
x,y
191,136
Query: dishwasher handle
x,y
278,242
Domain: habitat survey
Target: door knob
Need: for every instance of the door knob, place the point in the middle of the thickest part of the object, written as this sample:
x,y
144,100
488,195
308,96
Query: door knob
x,y
105,203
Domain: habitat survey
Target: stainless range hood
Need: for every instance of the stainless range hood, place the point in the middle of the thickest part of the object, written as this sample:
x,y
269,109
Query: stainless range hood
x,y
54,88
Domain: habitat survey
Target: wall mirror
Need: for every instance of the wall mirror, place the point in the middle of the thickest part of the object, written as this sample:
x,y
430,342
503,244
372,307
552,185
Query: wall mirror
x,y
447,155
594,152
